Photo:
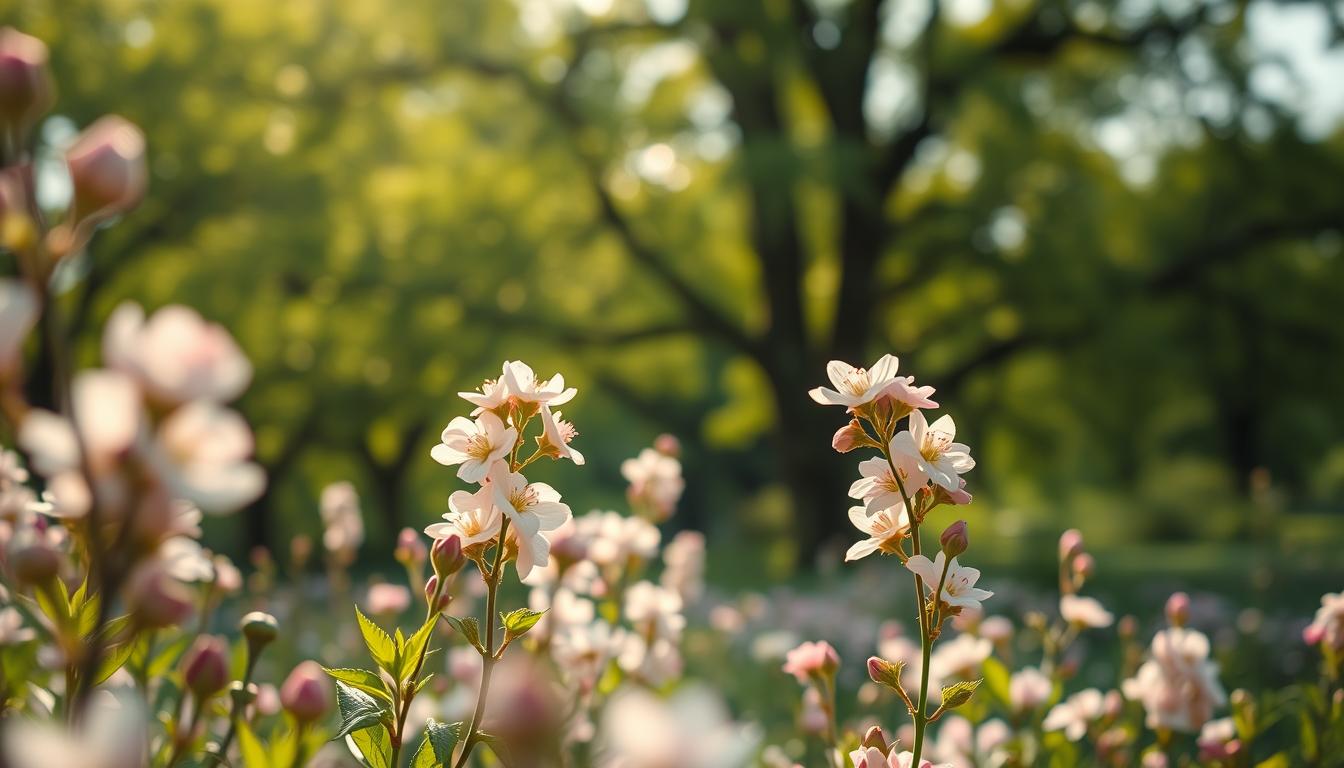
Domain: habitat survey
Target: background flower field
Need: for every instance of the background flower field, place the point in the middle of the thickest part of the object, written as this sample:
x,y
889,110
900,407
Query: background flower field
x,y
278,488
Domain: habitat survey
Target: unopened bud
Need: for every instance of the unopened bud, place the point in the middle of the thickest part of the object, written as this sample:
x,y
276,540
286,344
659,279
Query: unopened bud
x,y
107,169
849,437
1128,628
410,548
1084,565
206,666
35,563
446,556
307,692
157,600
1178,609
433,598
1070,544
955,539
875,739
25,83
668,445
260,629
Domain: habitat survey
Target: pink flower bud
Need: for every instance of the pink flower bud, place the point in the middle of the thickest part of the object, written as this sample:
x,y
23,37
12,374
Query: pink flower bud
x,y
25,82
955,539
34,563
849,437
1084,566
668,445
446,556
875,739
156,599
206,666
1178,609
1070,544
410,548
388,599
431,590
811,660
1313,634
107,168
307,692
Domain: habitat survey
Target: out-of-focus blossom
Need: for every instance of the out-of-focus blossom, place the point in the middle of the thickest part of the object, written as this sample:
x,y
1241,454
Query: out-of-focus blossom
x,y
184,559
684,565
871,757
228,579
1070,544
156,599
933,450
959,658
556,435
811,660
655,481
1076,714
1084,612
563,609
176,356
1028,689
1178,684
343,525
1327,628
25,83
1178,609
203,453
112,736
474,444
855,387
388,599
18,314
12,631
534,509
689,729
886,529
107,169
996,629
582,651
474,519
654,611
657,662
1218,740
959,590
812,717
960,743
205,666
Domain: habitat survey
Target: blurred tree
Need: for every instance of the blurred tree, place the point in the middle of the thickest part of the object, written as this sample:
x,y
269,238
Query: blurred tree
x,y
1111,246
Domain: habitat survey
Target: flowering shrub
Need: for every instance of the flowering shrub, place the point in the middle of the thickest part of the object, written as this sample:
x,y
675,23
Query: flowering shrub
x,y
523,634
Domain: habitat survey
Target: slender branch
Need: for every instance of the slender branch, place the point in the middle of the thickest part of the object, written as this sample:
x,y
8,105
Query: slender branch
x,y
488,659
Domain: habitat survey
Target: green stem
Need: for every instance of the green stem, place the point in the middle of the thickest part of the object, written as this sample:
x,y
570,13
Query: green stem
x,y
406,696
488,652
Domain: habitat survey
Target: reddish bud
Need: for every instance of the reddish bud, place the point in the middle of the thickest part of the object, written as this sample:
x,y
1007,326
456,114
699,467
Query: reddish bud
x,y
156,599
206,666
849,437
668,445
875,739
432,596
1084,566
410,548
35,563
307,692
1178,609
446,556
955,539
25,83
1128,627
1070,544
107,169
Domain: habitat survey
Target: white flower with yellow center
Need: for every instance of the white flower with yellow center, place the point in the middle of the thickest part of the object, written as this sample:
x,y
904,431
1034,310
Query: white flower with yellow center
x,y
474,444
959,590
933,449
879,489
855,387
473,519
534,509
886,528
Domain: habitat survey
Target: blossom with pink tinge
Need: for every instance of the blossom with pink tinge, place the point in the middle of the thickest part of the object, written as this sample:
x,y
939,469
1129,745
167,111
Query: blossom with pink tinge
x,y
1178,684
307,693
343,524
175,355
1076,714
556,436
1028,689
933,449
25,82
107,169
1218,740
1327,627
388,599
886,529
473,519
655,481
855,387
878,486
1084,612
691,728
959,590
811,660
534,510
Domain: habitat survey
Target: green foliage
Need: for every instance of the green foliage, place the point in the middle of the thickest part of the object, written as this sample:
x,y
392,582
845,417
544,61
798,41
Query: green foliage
x,y
374,745
957,694
359,710
382,648
469,628
518,622
363,680
437,745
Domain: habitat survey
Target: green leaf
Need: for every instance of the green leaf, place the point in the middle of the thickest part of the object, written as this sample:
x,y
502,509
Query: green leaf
x,y
424,755
1277,761
374,745
167,656
363,679
117,655
469,629
996,680
358,709
254,754
517,623
886,673
415,645
381,648
443,737
958,694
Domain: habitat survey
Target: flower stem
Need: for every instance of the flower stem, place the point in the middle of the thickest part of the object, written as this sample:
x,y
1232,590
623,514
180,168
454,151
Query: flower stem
x,y
488,652
431,612
925,631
